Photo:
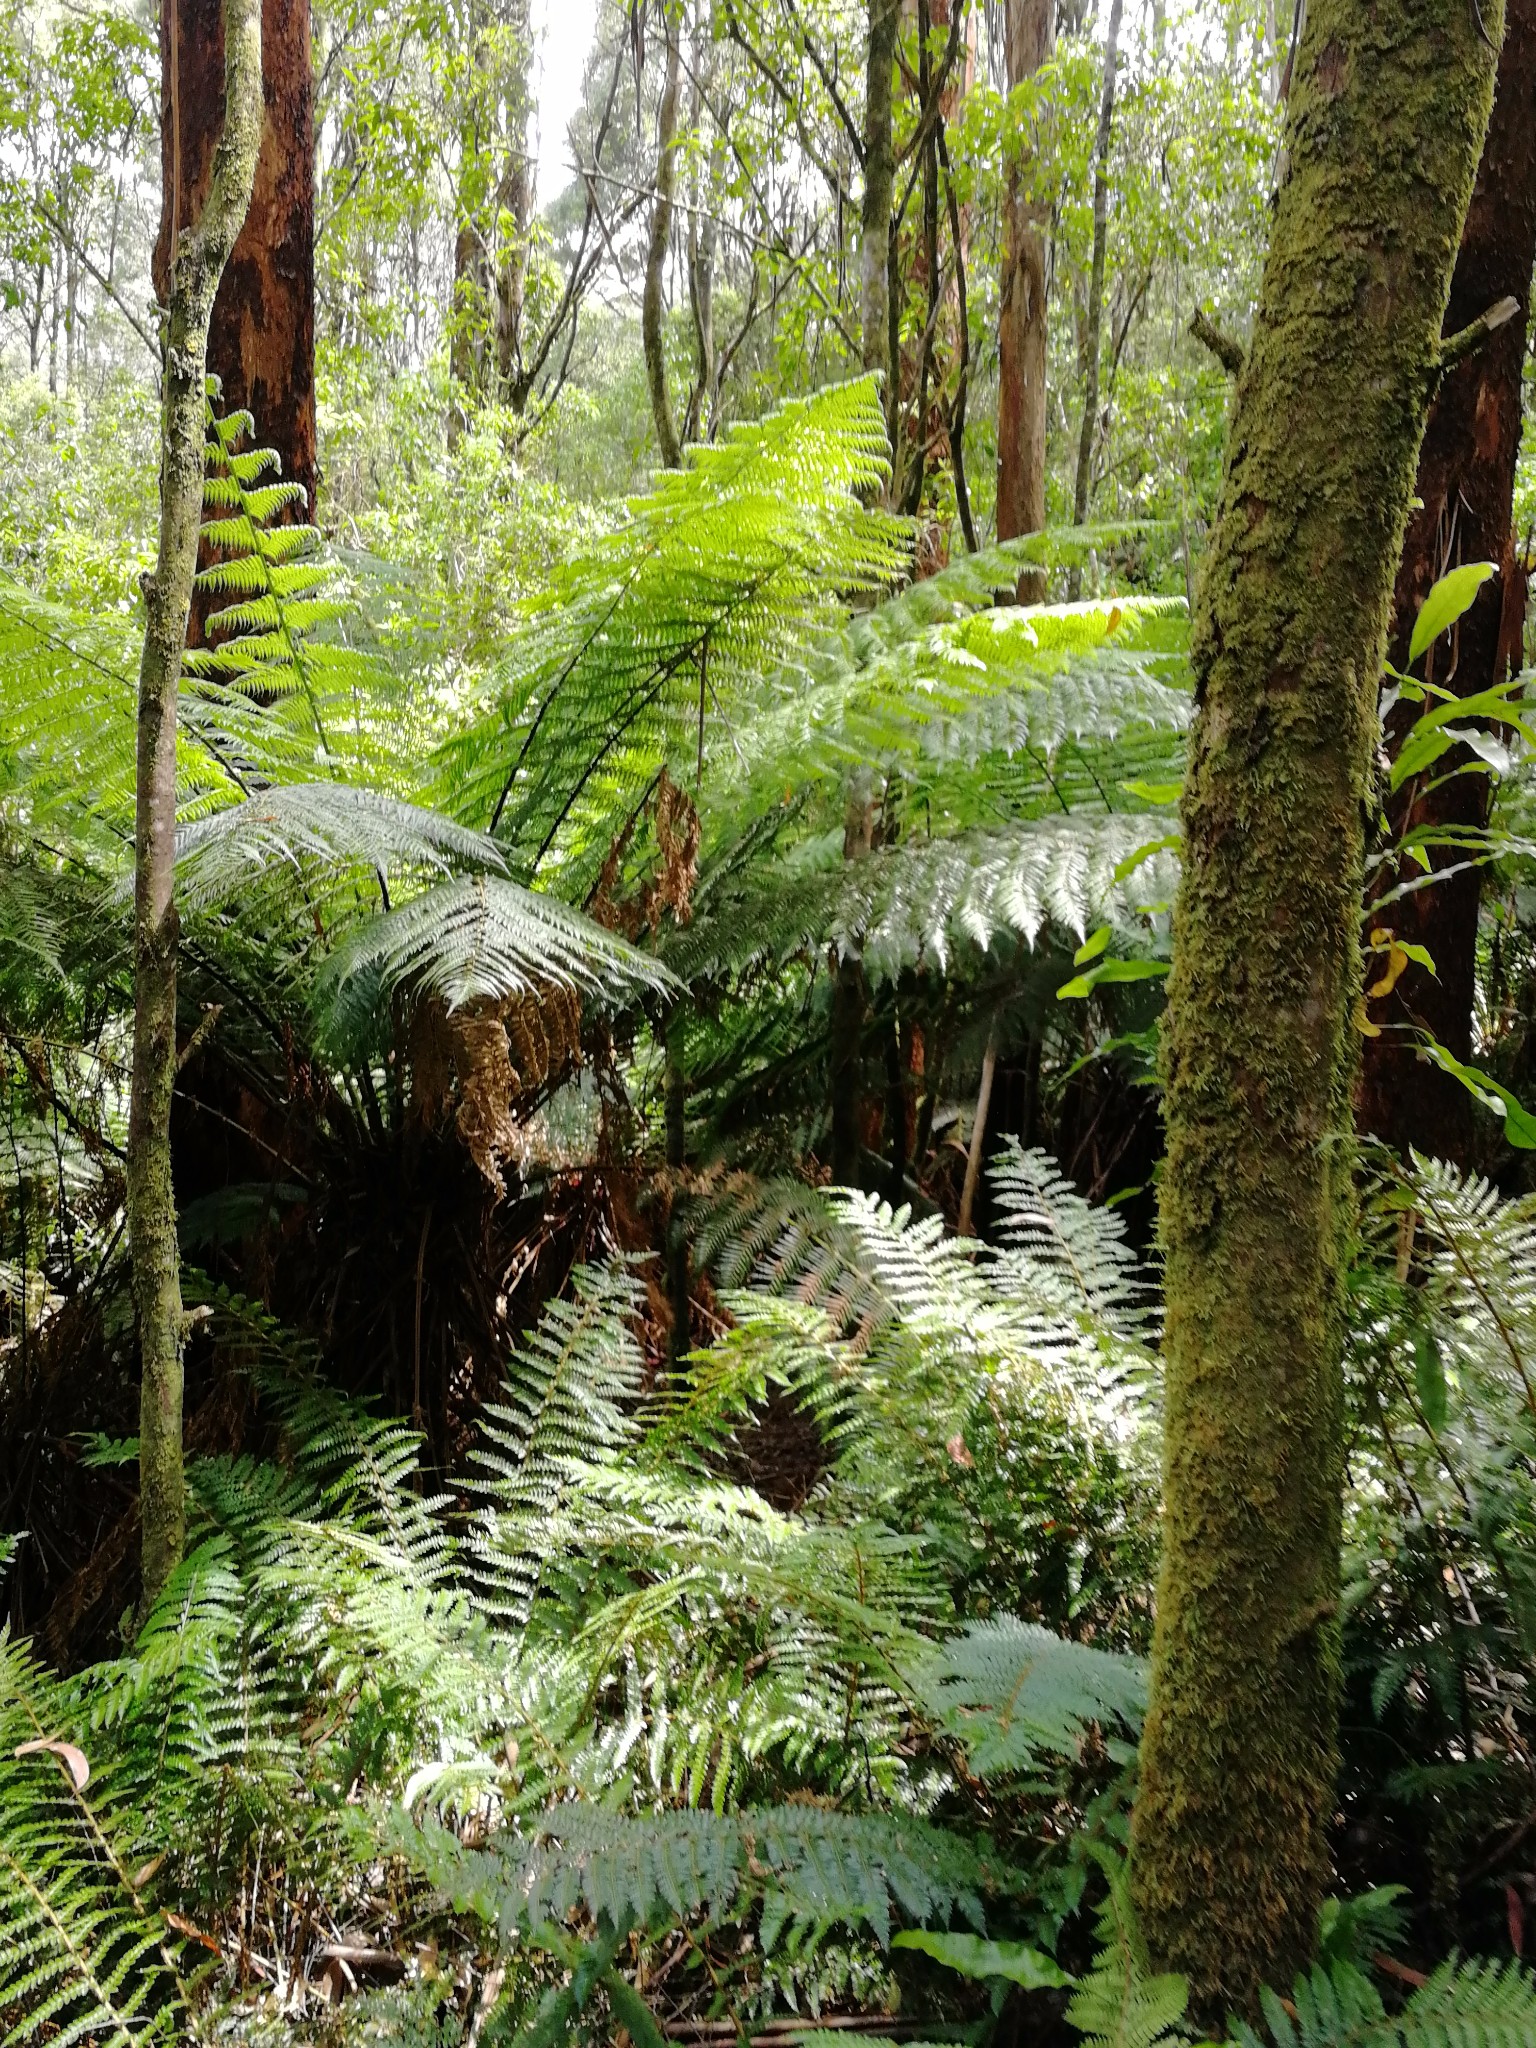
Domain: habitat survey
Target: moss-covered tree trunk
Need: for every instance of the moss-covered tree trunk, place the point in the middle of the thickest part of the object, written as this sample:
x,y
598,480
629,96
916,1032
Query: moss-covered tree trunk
x,y
1466,492
1230,1837
198,261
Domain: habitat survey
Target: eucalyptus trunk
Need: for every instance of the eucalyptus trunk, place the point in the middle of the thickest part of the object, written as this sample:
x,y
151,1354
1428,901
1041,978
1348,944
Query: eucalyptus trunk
x,y
200,254
1230,1857
1465,494
261,336
651,331
1022,329
879,186
1095,325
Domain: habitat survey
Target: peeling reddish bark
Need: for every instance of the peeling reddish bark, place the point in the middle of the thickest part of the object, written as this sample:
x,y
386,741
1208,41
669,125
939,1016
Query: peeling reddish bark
x,y
1466,482
262,342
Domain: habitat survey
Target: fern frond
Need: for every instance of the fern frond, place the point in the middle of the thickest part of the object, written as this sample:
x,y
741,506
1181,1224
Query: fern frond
x,y
317,825
712,579
1012,1692
1481,2003
1052,1237
569,1393
1120,2003
807,1867
81,1957
480,936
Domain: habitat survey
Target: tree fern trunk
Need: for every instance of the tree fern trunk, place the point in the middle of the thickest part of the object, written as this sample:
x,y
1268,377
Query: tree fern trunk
x,y
201,253
1230,1838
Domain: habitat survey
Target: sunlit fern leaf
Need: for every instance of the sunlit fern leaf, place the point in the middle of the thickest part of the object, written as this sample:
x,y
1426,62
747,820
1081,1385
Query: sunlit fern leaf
x,y
480,935
68,688
770,1343
713,578
82,1958
261,647
1478,2003
1052,1236
1013,1692
1033,685
569,1393
807,1866
923,901
326,826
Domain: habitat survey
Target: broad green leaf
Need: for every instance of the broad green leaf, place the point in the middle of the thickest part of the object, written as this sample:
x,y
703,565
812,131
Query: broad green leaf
x,y
1519,1124
1446,602
1015,1961
1092,946
1154,792
1111,970
1429,1377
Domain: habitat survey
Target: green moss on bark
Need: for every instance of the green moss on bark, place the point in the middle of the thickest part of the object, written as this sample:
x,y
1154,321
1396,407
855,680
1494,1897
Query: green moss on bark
x,y
1230,1836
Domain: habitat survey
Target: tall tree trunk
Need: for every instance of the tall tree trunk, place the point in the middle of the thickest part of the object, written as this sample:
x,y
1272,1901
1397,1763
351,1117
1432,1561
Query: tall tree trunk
x,y
879,186
202,249
261,340
651,330
1095,325
1388,108
1022,330
1466,490
515,205
703,236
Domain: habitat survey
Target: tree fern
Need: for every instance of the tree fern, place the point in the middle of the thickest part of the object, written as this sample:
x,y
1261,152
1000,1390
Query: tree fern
x,y
639,646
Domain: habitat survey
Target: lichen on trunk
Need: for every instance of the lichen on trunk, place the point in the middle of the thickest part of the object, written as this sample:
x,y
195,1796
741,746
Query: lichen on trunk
x,y
201,253
1230,1834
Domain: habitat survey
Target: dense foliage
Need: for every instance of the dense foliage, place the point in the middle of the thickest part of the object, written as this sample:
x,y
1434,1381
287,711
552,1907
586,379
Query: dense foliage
x,y
667,1120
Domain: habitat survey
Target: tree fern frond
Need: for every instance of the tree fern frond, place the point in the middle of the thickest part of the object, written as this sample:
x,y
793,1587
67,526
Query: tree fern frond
x,y
1012,1691
325,824
923,900
480,936
712,579
808,1867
